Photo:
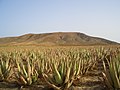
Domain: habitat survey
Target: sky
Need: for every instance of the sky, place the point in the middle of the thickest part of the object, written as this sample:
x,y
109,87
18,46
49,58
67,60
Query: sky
x,y
99,18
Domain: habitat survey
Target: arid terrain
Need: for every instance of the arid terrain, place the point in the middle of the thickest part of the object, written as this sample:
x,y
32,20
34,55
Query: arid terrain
x,y
59,61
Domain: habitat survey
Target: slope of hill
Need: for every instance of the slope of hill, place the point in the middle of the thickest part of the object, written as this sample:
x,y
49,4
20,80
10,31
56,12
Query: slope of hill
x,y
58,38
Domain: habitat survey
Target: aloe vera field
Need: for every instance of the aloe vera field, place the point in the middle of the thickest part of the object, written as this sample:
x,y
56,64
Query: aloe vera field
x,y
59,68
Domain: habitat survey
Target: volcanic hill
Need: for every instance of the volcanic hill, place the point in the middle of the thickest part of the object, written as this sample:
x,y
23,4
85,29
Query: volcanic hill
x,y
57,38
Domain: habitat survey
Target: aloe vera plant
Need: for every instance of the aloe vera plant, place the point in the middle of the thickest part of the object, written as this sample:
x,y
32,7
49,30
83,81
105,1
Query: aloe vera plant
x,y
63,74
26,74
5,68
112,73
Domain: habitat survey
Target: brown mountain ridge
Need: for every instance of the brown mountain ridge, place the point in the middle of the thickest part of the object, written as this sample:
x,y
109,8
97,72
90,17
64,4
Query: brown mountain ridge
x,y
58,38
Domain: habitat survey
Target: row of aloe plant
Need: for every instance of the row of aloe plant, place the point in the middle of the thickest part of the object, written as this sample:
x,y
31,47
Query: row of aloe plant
x,y
58,69
5,67
112,73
